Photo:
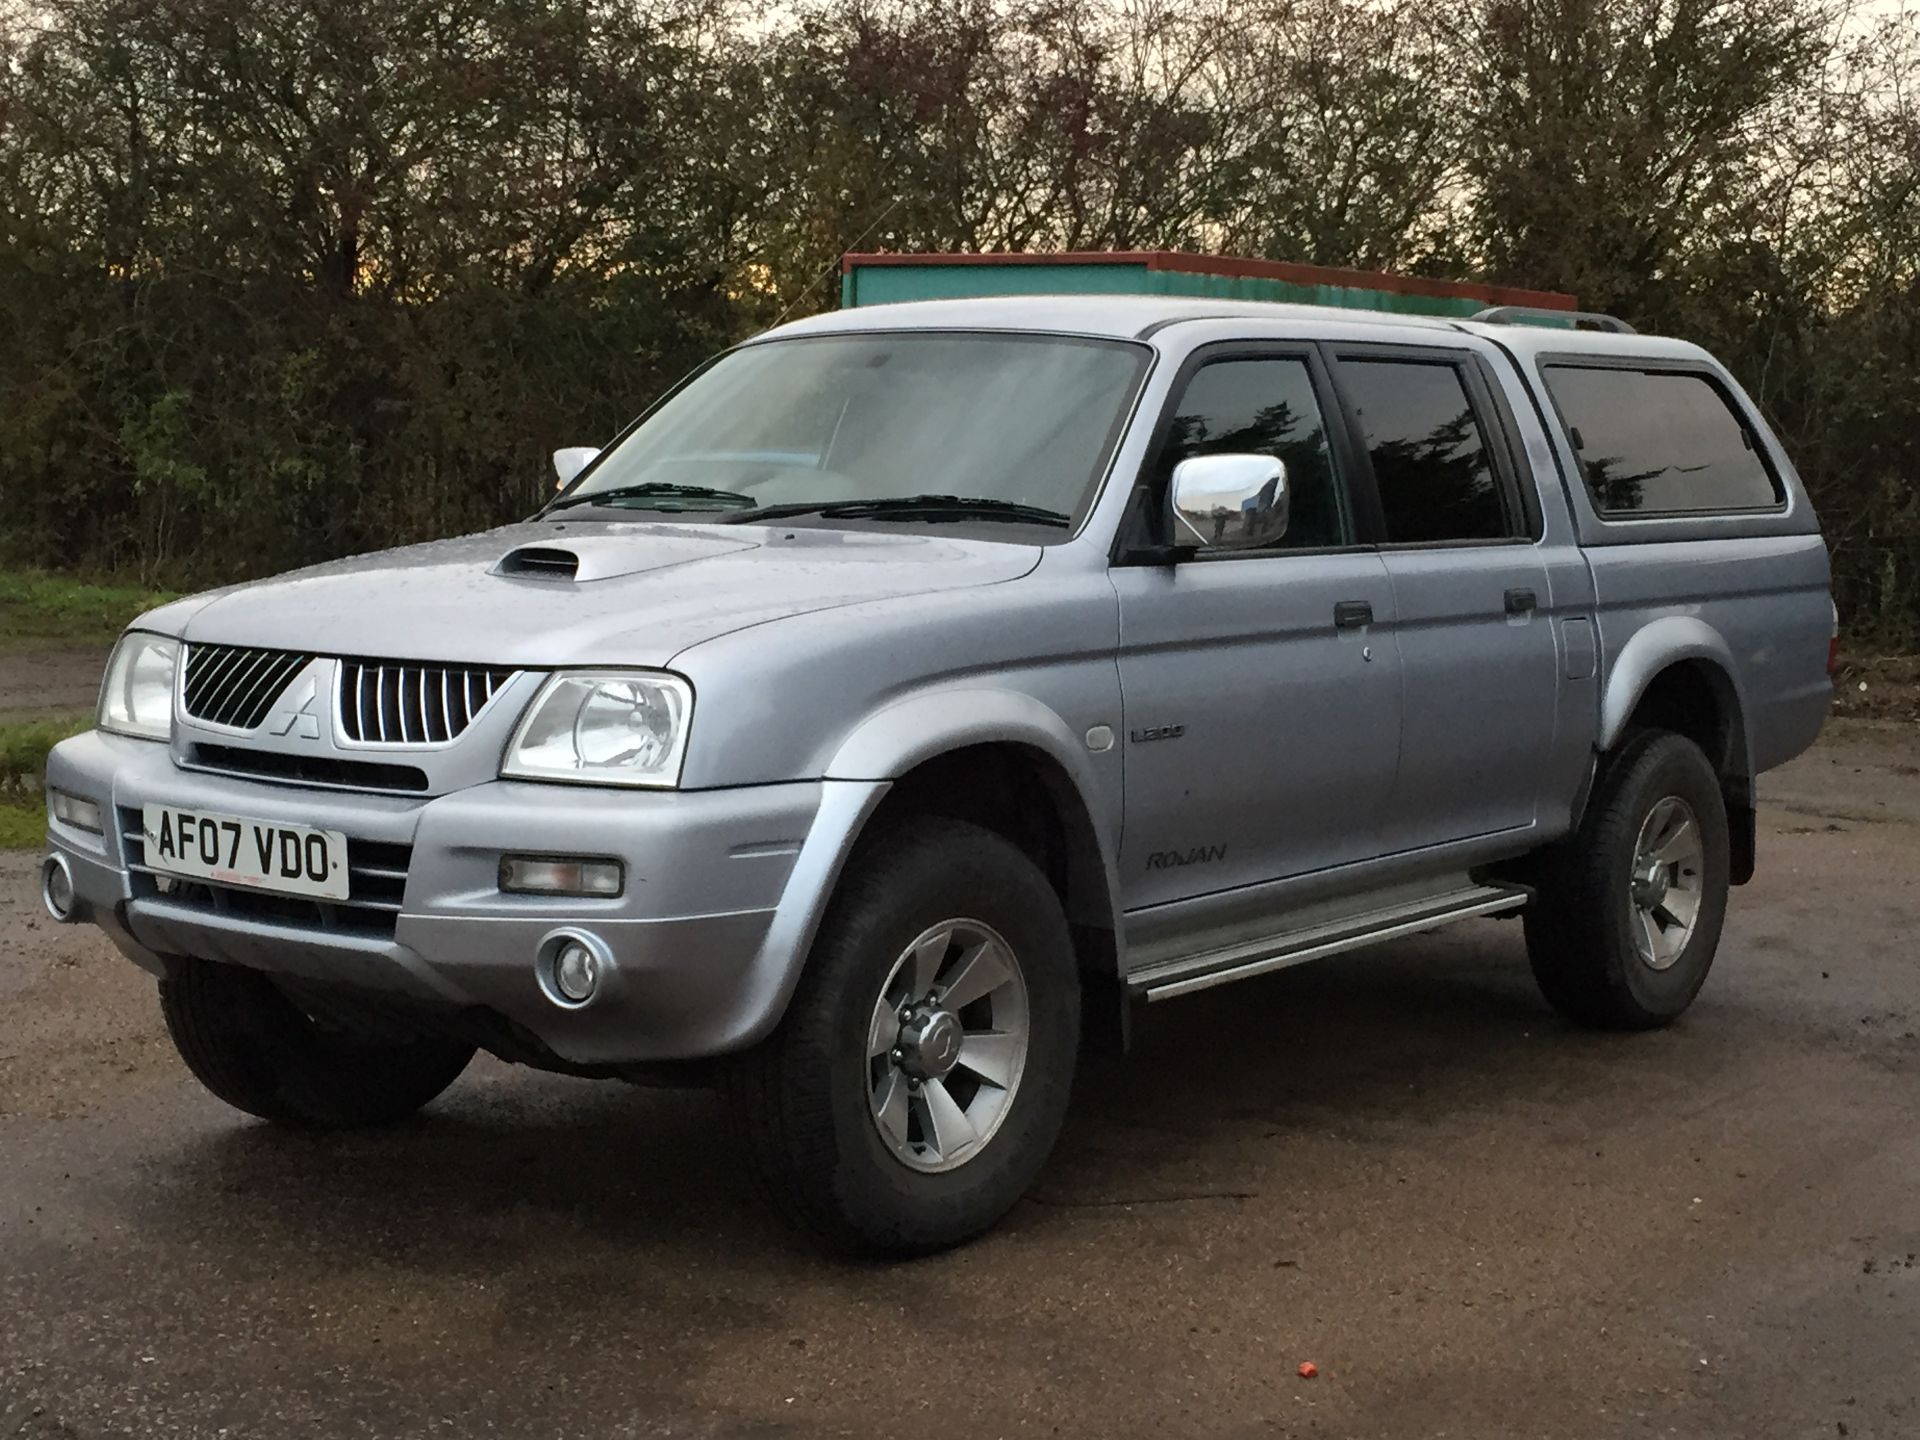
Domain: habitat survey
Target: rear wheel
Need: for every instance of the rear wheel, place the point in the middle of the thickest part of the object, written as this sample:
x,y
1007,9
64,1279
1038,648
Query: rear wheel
x,y
1624,929
255,1049
922,1071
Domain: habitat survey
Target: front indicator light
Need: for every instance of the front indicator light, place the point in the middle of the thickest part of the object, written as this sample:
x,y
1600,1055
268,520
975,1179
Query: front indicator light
x,y
561,875
72,810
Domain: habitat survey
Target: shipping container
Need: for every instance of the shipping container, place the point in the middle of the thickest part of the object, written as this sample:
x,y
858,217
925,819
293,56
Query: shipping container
x,y
886,279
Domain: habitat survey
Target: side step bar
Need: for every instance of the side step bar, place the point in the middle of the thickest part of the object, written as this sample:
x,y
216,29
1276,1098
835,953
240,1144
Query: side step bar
x,y
1239,961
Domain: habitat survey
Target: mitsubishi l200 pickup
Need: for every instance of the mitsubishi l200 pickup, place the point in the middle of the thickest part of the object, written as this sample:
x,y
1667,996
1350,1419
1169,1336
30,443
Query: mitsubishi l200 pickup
x,y
914,693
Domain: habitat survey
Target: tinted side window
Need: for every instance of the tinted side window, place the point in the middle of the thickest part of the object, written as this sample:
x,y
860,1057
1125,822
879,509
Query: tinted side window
x,y
1653,443
1240,407
1429,451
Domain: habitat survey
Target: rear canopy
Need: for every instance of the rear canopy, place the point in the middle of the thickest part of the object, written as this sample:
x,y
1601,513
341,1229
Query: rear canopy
x,y
886,279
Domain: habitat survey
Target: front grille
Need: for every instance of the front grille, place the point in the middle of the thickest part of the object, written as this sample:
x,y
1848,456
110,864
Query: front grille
x,y
377,882
235,686
413,704
325,770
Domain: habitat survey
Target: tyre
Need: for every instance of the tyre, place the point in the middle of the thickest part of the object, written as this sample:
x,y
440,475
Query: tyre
x,y
921,1074
1628,916
256,1050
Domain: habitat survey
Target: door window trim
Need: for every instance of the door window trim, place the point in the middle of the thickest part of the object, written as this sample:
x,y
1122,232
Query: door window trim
x,y
1135,539
1519,499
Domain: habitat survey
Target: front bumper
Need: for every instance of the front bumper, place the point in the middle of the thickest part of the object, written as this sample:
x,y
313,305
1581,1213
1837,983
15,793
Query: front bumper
x,y
723,893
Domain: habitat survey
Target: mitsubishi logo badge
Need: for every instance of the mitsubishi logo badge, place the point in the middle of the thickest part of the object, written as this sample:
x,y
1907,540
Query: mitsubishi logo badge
x,y
295,715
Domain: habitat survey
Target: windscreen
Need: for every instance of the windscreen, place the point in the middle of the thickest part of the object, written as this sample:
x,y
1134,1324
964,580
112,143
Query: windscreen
x,y
878,416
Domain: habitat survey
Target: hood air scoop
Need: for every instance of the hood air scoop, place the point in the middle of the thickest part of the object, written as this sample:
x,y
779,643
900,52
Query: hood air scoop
x,y
581,558
540,562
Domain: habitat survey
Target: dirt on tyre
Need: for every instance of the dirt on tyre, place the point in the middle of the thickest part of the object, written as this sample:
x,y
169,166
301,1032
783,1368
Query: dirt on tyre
x,y
250,1045
921,1074
1629,911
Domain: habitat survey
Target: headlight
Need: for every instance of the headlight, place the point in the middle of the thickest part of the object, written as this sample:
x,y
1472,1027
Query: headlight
x,y
137,695
604,728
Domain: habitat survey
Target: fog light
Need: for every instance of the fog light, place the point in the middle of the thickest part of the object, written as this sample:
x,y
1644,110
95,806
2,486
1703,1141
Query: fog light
x,y
576,972
561,875
56,888
72,810
573,967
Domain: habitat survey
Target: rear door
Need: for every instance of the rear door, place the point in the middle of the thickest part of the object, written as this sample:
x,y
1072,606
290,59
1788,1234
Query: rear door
x,y
1471,593
1261,688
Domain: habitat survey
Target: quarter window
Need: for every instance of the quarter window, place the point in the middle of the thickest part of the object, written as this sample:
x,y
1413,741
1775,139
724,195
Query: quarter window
x,y
1659,442
1267,407
1431,461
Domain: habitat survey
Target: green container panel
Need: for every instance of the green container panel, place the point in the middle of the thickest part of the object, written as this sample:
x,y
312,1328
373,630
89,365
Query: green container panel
x,y
893,284
886,281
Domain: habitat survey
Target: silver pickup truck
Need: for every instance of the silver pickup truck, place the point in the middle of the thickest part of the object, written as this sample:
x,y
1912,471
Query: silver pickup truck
x,y
913,693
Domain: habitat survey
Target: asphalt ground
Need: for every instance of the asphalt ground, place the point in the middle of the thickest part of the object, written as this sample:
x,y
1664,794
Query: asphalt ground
x,y
1399,1166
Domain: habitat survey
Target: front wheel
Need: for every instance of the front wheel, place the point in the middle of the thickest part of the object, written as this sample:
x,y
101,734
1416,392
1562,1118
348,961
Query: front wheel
x,y
921,1074
1628,917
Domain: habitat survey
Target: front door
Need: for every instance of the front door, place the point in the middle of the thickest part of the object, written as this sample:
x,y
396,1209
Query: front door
x,y
1261,690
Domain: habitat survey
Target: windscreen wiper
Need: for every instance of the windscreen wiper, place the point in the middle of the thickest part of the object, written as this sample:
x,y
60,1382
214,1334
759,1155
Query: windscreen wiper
x,y
907,507
654,490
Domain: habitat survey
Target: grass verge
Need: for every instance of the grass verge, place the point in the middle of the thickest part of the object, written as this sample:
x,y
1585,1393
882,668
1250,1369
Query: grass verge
x,y
22,827
23,762
41,610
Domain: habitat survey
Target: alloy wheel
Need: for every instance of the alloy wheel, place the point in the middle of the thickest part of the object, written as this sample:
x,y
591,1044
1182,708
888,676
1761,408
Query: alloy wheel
x,y
946,1045
1668,860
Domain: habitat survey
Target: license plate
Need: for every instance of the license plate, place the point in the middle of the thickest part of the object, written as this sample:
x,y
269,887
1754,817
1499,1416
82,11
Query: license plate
x,y
231,850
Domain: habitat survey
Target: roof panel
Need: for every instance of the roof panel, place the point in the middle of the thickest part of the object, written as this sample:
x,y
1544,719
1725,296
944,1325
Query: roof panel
x,y
1120,317
1131,317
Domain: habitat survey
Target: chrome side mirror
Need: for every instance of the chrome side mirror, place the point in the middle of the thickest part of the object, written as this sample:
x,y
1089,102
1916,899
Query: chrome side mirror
x,y
570,462
1230,502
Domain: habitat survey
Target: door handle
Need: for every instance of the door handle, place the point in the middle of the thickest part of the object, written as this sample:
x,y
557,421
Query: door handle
x,y
1352,614
1520,602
